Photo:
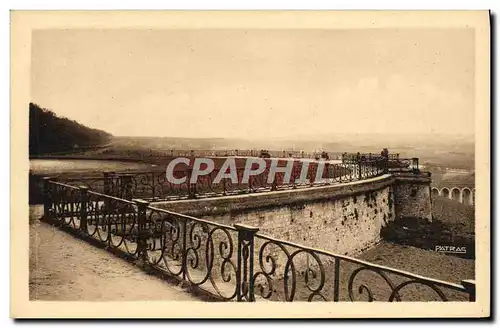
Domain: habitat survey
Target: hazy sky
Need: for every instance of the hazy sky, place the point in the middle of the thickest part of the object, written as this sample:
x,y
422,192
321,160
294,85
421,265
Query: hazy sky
x,y
236,83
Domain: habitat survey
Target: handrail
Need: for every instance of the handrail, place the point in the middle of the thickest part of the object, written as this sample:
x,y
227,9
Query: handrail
x,y
188,217
63,185
90,192
153,185
366,263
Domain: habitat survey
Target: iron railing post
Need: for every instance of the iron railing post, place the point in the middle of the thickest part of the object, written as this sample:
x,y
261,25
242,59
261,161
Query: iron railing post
x,y
47,197
184,249
142,237
414,164
153,186
244,274
336,280
126,186
191,186
83,207
108,188
470,287
274,185
294,176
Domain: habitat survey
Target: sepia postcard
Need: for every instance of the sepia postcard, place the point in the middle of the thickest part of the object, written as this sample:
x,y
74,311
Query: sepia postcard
x,y
250,164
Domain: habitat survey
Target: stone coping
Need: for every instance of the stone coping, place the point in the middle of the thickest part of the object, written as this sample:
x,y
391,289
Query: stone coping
x,y
241,203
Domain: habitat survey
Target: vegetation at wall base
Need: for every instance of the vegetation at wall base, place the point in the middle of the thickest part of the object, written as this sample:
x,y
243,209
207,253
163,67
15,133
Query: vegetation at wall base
x,y
418,232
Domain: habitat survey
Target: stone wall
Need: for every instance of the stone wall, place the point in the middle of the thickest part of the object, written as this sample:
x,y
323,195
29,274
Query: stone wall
x,y
346,225
345,219
413,196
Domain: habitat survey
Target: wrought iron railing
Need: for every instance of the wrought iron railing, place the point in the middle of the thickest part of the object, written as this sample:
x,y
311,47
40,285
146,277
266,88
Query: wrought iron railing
x,y
290,272
392,162
107,219
154,185
356,157
243,153
203,254
232,262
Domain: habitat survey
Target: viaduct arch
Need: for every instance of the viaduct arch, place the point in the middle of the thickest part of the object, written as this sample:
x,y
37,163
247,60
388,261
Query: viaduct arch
x,y
464,195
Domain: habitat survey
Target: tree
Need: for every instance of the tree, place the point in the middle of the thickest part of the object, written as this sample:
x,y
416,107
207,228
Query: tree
x,y
49,133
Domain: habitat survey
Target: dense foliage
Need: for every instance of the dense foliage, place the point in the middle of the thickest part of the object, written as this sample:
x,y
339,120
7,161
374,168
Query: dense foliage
x,y
49,133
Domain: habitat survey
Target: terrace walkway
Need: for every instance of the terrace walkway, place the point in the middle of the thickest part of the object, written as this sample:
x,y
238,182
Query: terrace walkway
x,y
64,268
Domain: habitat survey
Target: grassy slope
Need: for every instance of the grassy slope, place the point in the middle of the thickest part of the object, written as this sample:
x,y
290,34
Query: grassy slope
x,y
459,217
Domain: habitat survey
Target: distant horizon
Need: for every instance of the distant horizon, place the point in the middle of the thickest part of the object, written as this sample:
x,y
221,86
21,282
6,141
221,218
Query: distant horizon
x,y
292,137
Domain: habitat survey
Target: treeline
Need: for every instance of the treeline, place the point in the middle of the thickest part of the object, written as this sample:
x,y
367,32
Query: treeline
x,y
49,133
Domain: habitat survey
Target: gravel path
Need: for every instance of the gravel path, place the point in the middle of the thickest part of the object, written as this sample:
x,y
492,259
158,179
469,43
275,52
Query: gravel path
x,y
63,268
